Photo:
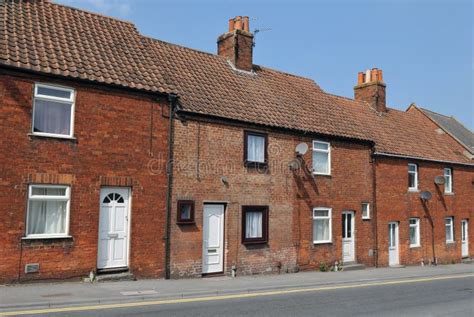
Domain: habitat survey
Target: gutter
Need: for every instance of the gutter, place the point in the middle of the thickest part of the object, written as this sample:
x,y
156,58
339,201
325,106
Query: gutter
x,y
421,159
172,99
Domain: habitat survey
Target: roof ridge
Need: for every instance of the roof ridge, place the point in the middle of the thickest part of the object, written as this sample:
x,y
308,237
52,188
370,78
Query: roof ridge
x,y
179,46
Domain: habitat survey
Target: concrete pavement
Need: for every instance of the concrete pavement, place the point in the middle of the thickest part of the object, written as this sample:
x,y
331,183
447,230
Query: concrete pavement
x,y
435,296
47,295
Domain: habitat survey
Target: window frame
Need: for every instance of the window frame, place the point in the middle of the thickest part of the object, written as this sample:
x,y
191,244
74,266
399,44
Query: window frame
x,y
66,197
248,163
329,216
362,210
179,219
265,222
417,228
71,101
415,188
451,218
328,152
450,176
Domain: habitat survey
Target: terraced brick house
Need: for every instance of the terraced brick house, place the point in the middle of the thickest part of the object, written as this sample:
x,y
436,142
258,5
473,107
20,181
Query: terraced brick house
x,y
123,152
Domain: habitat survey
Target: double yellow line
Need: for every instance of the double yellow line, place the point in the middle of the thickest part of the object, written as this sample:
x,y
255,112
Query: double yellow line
x,y
227,297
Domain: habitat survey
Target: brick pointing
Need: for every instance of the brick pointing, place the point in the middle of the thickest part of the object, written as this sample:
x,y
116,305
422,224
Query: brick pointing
x,y
112,148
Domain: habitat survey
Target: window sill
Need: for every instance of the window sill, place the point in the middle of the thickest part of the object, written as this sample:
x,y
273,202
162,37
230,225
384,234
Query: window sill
x,y
28,238
256,164
322,242
413,190
449,194
254,242
321,174
415,246
366,218
186,222
450,242
49,136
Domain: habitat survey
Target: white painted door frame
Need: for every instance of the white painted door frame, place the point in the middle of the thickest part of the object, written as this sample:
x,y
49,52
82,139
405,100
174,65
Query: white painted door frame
x,y
213,238
113,249
348,236
465,238
393,244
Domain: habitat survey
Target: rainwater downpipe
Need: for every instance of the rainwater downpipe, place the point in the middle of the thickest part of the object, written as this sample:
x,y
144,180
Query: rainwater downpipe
x,y
172,99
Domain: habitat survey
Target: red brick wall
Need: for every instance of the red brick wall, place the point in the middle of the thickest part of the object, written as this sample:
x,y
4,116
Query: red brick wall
x,y
113,131
396,203
219,149
349,185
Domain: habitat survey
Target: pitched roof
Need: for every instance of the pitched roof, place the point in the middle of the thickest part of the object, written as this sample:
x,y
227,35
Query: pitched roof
x,y
453,127
50,38
56,39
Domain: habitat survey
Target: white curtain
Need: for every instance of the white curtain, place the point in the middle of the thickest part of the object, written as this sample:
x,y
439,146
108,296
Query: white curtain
x,y
321,162
321,229
47,217
256,148
254,224
52,117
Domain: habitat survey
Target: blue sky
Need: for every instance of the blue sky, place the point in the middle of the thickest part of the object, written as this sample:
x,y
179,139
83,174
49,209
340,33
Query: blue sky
x,y
425,48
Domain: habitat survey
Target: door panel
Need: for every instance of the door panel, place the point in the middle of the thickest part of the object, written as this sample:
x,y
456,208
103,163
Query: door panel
x,y
464,238
113,228
393,256
348,243
213,239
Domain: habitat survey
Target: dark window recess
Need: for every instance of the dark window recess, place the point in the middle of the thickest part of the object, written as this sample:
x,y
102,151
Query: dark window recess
x,y
254,224
255,149
185,211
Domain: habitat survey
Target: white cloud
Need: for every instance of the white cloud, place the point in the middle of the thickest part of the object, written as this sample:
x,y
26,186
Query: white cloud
x,y
109,7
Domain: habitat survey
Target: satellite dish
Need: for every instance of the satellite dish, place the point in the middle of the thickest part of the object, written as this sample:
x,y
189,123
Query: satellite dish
x,y
301,149
439,180
425,195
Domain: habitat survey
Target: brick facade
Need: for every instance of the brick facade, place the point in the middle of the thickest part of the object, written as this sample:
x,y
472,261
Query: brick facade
x,y
116,133
396,203
290,195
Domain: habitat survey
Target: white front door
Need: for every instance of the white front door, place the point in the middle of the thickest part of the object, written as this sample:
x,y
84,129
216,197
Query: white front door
x,y
348,236
113,228
393,258
213,239
464,238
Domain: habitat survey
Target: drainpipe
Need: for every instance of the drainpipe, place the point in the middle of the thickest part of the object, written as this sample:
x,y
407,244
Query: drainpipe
x,y
172,99
374,207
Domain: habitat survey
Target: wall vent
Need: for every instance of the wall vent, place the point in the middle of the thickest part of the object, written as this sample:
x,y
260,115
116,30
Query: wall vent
x,y
32,268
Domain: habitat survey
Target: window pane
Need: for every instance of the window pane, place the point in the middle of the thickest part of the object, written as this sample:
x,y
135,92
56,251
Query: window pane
x,y
254,224
47,217
48,191
413,239
321,146
365,210
49,91
321,162
256,148
321,213
412,168
321,230
52,117
185,212
411,180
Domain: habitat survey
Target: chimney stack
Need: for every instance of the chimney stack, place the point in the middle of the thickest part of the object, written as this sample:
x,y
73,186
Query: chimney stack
x,y
237,44
371,89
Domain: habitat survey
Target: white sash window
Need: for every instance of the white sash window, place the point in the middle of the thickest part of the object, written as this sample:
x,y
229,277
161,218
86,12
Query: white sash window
x,y
48,211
